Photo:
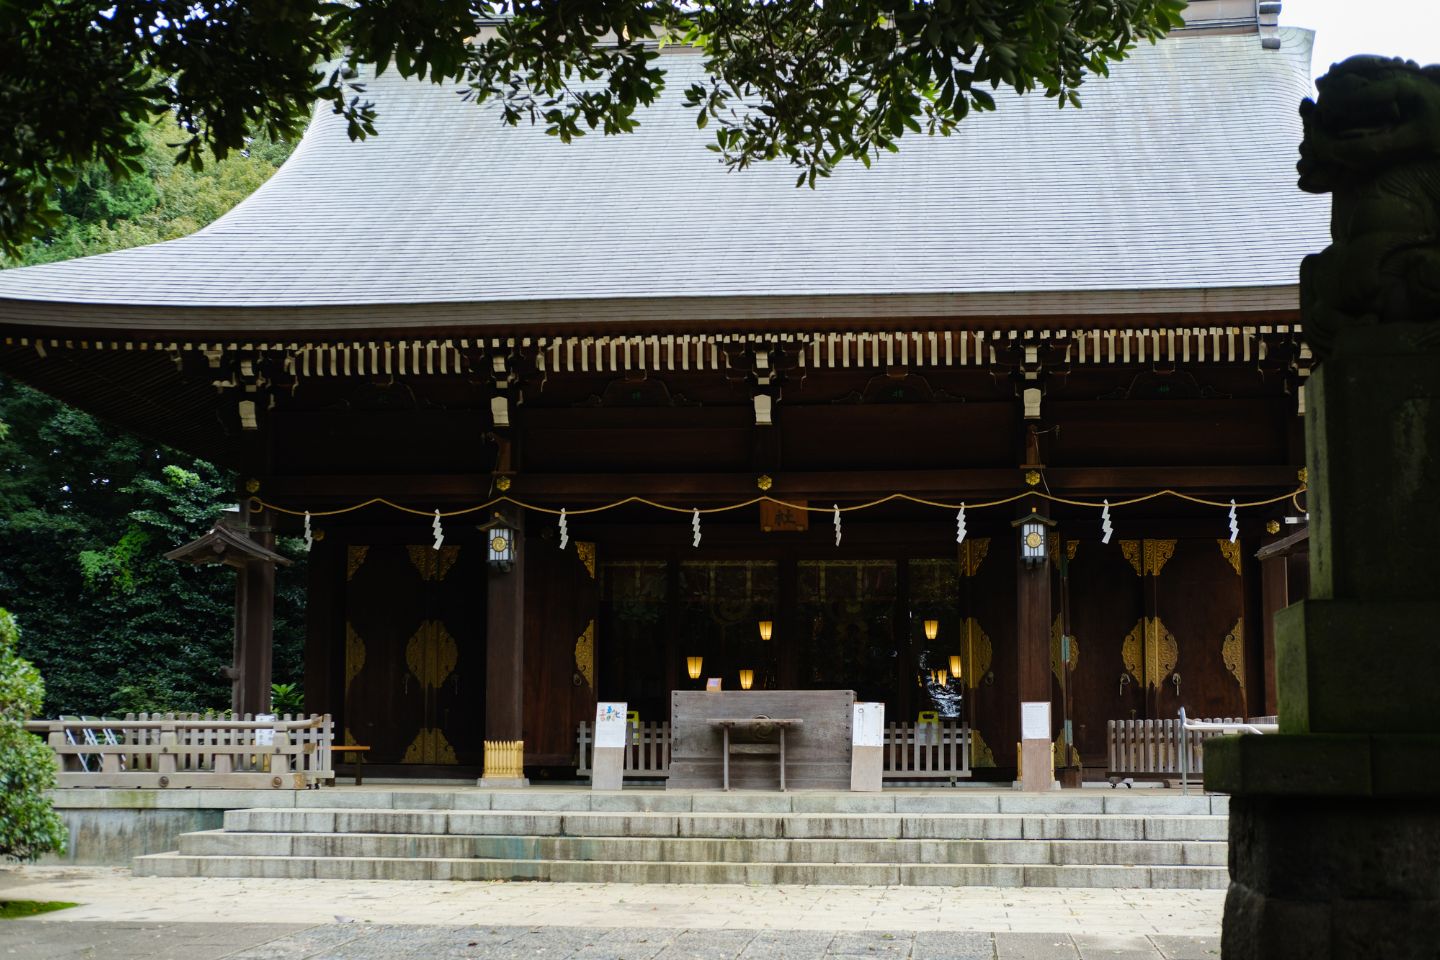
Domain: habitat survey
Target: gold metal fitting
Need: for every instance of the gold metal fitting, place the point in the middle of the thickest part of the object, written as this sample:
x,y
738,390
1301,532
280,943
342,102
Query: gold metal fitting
x,y
764,482
502,484
252,485
1272,526
317,535
1303,475
1032,477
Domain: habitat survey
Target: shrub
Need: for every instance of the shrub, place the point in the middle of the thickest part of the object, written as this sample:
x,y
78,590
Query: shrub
x,y
29,826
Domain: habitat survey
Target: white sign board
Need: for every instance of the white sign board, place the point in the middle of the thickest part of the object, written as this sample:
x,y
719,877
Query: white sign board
x,y
609,725
868,730
1035,720
265,738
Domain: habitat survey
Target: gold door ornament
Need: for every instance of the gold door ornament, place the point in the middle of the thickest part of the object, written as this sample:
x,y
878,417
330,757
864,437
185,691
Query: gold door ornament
x,y
1057,666
432,653
1232,651
354,557
1150,651
586,553
972,554
1231,552
585,654
1070,547
1148,557
980,753
354,655
430,563
976,652
429,746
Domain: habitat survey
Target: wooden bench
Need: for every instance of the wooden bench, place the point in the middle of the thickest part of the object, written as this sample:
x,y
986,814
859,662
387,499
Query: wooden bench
x,y
752,725
359,752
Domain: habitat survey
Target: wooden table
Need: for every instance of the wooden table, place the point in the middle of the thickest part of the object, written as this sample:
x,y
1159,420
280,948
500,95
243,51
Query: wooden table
x,y
725,724
359,753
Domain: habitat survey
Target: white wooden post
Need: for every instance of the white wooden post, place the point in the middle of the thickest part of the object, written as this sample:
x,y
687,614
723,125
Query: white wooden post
x,y
607,759
867,739
1037,759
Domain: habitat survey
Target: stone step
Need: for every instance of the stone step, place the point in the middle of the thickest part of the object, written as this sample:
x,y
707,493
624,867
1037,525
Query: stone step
x,y
214,843
610,871
539,800
723,826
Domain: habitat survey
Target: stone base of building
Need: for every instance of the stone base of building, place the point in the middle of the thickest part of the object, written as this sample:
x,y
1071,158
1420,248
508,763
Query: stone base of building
x,y
1323,865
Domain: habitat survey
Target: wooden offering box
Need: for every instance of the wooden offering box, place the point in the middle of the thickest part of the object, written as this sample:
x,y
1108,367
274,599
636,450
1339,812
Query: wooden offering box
x,y
817,750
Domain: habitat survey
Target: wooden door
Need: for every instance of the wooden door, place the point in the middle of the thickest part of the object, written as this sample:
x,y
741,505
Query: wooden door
x,y
561,609
415,653
987,649
1105,606
1199,609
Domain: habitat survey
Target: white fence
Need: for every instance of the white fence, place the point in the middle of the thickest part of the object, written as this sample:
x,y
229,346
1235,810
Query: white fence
x,y
188,750
1160,749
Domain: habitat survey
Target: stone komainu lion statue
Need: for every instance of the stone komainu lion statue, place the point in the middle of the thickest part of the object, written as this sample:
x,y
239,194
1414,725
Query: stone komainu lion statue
x,y
1372,138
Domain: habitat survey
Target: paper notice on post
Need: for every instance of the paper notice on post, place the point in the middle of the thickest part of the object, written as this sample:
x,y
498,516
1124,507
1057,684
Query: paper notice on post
x,y
1035,720
265,738
869,727
609,725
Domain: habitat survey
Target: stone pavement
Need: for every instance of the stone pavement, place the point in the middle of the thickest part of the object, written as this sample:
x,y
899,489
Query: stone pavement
x,y
129,918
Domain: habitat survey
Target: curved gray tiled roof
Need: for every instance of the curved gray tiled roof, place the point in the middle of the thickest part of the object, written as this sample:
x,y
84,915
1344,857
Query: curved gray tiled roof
x,y
1178,176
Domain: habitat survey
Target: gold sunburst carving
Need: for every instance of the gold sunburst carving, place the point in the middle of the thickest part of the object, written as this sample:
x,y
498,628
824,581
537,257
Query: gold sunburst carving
x,y
1231,552
585,654
430,563
429,746
354,655
431,653
1232,652
1150,651
354,558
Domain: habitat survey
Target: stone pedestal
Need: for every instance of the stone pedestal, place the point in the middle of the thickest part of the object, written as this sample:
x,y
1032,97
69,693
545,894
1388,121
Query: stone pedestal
x,y
1335,822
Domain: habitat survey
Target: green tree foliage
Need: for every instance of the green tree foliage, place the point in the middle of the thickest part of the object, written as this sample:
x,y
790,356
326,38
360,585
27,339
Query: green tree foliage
x,y
87,511
28,824
99,212
810,82
86,514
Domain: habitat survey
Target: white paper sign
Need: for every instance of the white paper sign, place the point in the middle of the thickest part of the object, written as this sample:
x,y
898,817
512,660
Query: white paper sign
x,y
868,730
265,738
609,725
1035,720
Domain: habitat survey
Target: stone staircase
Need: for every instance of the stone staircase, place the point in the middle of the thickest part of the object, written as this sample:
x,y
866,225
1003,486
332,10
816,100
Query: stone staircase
x,y
955,838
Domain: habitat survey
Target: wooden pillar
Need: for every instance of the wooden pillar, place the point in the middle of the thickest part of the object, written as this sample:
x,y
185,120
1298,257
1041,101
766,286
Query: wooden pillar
x,y
254,580
505,669
324,650
1032,646
254,624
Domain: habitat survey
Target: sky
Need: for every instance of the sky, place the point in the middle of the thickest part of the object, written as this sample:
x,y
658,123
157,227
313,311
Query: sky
x,y
1396,28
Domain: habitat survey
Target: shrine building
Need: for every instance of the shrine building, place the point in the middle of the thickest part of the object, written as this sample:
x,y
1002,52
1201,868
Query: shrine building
x,y
792,431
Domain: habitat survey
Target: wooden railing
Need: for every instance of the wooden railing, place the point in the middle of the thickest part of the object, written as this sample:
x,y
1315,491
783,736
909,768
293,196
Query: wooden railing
x,y
188,750
934,750
926,751
1158,749
647,752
